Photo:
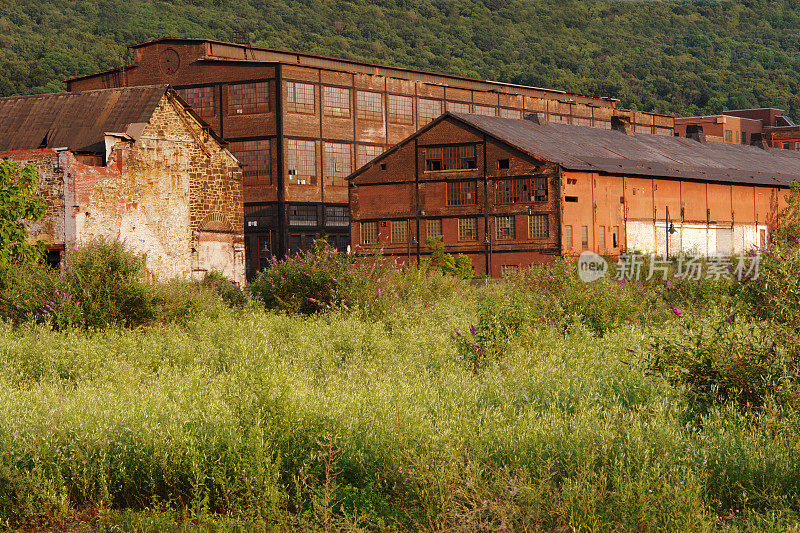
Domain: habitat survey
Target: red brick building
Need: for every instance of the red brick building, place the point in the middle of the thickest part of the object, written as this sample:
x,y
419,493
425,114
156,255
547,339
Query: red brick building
x,y
301,123
511,193
766,126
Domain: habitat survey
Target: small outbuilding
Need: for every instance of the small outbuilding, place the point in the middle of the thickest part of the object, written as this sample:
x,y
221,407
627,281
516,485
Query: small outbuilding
x,y
135,164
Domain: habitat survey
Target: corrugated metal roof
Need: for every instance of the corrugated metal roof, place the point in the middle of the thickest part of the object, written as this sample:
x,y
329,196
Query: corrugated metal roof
x,y
610,151
77,121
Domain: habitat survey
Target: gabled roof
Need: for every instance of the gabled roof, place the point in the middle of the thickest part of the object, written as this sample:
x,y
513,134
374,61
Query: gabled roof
x,y
77,121
583,148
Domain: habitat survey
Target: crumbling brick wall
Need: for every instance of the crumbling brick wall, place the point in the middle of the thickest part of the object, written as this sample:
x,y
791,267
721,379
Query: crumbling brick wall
x,y
159,192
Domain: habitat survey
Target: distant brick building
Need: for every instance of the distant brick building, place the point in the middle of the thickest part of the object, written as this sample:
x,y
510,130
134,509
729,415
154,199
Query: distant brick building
x,y
135,164
765,126
511,193
301,123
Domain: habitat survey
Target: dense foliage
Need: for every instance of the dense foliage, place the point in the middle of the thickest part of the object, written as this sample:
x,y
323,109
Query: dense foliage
x,y
679,57
17,205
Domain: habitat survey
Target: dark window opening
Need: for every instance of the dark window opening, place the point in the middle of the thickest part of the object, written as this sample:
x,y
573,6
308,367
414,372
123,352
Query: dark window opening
x,y
260,216
54,258
450,158
383,166
571,199
461,192
503,164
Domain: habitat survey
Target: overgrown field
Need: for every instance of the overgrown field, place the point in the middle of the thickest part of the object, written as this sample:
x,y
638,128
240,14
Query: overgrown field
x,y
412,401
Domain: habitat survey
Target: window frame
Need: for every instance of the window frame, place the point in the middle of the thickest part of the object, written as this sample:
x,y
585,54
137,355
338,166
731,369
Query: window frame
x,y
254,107
295,176
434,222
400,231
505,227
368,113
183,93
449,156
532,225
461,192
300,107
374,237
462,233
396,117
259,176
521,190
336,111
332,155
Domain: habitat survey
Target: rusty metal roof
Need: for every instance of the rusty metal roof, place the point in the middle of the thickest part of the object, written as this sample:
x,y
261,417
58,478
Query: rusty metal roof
x,y
589,149
77,121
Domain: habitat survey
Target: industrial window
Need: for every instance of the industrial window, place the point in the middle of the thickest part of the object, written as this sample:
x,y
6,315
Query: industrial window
x,y
584,237
728,136
508,270
400,231
511,113
254,156
601,237
401,109
538,226
302,215
788,146
201,99
458,107
366,153
737,137
744,137
299,97
506,228
248,98
369,106
574,199
467,229
428,110
302,162
450,158
433,227
614,236
520,190
369,232
485,110
567,236
503,164
336,102
337,216
461,192
338,165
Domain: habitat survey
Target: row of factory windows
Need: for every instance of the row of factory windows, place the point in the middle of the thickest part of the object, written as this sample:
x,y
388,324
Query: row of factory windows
x,y
602,243
254,98
526,189
301,160
505,229
266,216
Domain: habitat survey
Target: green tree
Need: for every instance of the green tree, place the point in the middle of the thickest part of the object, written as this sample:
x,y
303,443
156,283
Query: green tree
x,y
454,265
17,204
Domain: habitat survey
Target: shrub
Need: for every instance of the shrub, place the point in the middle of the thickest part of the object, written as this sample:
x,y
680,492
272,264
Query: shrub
x,y
454,265
775,294
716,363
228,290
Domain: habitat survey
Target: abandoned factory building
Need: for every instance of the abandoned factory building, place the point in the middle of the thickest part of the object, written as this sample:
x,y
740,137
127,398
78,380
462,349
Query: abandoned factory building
x,y
509,193
135,164
301,123
762,127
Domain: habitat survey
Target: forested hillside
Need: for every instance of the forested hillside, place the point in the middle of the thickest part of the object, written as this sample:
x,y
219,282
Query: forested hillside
x,y
677,57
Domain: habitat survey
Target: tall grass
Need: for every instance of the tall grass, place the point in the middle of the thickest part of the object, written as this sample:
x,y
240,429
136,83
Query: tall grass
x,y
379,416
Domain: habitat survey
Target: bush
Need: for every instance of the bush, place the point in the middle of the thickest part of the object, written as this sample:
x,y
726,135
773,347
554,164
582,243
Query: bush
x,y
454,265
228,290
775,294
103,284
717,363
